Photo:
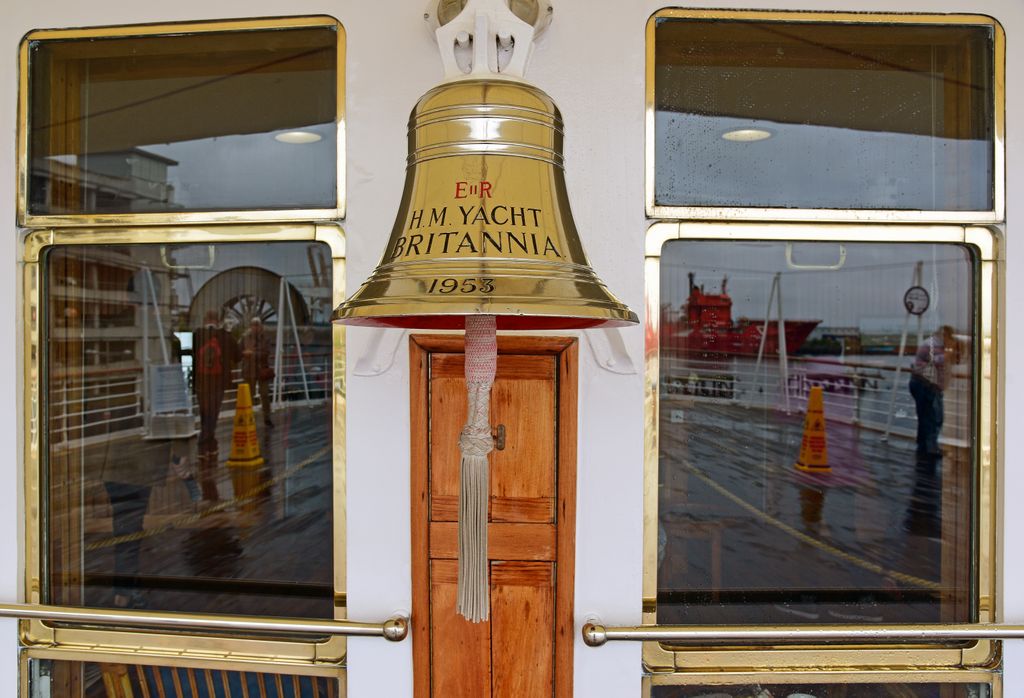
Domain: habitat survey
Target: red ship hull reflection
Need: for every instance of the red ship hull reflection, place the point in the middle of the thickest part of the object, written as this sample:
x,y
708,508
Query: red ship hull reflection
x,y
705,327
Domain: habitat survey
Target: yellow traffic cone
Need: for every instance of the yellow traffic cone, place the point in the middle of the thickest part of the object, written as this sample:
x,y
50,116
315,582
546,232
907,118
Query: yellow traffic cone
x,y
813,450
245,457
245,444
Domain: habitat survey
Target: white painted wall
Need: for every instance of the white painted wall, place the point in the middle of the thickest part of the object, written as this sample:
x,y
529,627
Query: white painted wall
x,y
591,61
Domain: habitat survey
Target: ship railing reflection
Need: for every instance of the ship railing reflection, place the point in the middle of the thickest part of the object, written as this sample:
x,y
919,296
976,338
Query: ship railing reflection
x,y
89,408
861,391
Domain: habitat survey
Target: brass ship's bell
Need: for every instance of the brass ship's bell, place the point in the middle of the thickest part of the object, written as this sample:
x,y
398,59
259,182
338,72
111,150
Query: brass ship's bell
x,y
484,225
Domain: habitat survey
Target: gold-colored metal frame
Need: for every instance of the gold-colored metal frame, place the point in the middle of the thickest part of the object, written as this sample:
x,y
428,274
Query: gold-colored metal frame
x,y
986,244
148,643
240,664
27,219
735,213
728,678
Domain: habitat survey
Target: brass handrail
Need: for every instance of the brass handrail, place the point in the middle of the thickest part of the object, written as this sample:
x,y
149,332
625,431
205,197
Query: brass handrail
x,y
596,635
394,629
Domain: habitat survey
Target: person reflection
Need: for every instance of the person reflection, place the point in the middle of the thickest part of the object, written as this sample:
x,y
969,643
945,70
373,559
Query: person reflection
x,y
929,375
216,354
812,503
129,475
256,370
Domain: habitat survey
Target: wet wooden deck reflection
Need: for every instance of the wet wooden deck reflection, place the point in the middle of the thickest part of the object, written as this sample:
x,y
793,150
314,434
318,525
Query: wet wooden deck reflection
x,y
744,537
262,552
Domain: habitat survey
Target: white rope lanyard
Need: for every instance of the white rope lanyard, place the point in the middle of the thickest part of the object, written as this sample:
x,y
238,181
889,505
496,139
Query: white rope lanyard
x,y
475,442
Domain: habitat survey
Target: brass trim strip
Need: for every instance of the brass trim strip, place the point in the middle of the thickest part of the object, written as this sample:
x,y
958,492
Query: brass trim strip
x,y
812,676
595,635
394,629
186,27
203,662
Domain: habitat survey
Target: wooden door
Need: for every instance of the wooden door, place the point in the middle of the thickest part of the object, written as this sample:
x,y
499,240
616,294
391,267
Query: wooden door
x,y
525,649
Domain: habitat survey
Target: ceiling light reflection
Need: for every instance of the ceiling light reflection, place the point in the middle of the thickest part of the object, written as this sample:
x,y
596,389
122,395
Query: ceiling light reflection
x,y
747,135
297,137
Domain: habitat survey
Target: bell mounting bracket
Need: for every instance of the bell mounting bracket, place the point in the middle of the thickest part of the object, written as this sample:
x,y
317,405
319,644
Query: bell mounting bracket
x,y
487,38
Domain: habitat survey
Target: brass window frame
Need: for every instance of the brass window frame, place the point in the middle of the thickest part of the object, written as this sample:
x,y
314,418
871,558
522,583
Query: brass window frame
x,y
986,244
733,678
28,220
147,643
779,214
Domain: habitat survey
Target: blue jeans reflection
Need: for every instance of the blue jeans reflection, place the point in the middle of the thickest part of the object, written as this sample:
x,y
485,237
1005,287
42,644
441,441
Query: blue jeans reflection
x,y
128,503
923,514
928,400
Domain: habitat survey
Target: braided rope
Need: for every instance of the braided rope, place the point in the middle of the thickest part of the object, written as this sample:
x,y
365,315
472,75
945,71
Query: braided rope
x,y
475,442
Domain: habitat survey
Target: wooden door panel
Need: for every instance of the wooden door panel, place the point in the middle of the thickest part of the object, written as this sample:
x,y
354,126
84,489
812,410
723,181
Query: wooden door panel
x,y
530,509
460,651
505,541
522,634
525,468
510,366
447,395
445,507
525,649
523,399
523,481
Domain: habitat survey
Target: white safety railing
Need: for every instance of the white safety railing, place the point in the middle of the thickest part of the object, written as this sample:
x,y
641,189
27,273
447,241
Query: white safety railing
x,y
867,391
94,406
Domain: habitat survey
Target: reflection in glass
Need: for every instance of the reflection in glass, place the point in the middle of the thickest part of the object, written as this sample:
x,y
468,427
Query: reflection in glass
x,y
890,690
865,116
64,679
188,397
184,123
817,467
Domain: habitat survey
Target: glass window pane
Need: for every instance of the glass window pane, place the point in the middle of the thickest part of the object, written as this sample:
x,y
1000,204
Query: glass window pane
x,y
63,679
194,122
822,473
823,115
165,487
856,690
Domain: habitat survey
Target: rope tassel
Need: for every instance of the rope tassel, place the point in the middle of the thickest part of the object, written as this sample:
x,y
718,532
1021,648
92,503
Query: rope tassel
x,y
475,442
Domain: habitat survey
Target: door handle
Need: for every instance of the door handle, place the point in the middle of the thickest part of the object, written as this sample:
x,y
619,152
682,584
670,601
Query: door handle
x,y
499,437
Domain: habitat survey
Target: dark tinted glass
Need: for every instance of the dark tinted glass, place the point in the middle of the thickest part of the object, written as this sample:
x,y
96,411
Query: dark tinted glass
x,y
63,679
823,115
196,122
818,469
856,690
187,395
